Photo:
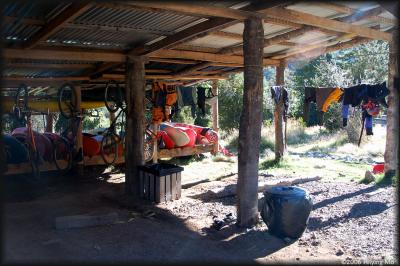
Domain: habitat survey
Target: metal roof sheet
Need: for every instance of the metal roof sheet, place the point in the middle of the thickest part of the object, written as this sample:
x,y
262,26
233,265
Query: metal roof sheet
x,y
214,41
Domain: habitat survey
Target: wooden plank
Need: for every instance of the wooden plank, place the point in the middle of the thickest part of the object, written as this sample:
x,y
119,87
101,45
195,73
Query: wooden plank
x,y
348,10
168,195
330,24
173,61
178,186
81,221
206,57
178,152
64,55
28,79
71,12
152,180
250,123
173,186
194,9
228,35
162,77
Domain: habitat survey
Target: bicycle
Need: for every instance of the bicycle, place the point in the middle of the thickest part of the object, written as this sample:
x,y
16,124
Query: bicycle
x,y
64,152
21,111
112,143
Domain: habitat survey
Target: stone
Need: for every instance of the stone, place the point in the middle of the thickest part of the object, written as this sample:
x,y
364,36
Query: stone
x,y
369,177
339,252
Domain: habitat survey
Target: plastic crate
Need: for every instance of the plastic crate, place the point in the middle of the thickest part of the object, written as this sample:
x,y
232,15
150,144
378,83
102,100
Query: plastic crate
x,y
160,182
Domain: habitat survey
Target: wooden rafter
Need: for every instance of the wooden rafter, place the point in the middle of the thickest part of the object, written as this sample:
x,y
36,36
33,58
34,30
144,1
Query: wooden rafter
x,y
205,57
71,12
347,10
330,24
210,25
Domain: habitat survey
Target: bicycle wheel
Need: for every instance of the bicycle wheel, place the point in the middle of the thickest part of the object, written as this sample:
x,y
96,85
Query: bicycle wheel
x,y
113,96
62,155
148,147
109,148
67,100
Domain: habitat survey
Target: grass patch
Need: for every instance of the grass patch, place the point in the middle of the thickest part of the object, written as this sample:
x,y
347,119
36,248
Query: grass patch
x,y
221,158
331,146
273,164
265,144
381,180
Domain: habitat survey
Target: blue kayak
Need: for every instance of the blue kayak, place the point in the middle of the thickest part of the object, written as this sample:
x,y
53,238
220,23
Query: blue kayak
x,y
16,152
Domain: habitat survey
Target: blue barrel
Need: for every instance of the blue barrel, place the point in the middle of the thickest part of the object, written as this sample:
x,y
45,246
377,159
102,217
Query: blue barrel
x,y
286,210
16,152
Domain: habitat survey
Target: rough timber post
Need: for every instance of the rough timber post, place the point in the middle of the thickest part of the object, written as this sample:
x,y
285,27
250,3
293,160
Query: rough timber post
x,y
250,123
278,115
134,146
392,128
214,111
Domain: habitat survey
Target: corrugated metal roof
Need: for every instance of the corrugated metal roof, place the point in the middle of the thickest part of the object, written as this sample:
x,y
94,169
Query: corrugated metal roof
x,y
28,72
153,21
99,38
309,8
214,41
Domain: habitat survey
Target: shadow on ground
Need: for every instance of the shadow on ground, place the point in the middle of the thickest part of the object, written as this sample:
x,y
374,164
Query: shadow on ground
x,y
30,235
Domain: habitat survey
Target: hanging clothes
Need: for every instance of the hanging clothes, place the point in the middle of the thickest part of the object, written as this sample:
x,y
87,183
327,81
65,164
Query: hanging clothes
x,y
319,96
187,96
276,93
201,99
334,96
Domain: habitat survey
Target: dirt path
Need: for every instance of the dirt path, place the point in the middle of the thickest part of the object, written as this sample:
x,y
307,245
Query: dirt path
x,y
344,218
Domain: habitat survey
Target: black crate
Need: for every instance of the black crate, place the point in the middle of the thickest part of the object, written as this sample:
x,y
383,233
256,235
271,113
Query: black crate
x,y
160,182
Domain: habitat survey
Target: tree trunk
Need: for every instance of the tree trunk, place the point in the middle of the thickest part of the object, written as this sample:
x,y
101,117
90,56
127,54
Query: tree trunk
x,y
278,115
392,127
134,140
250,123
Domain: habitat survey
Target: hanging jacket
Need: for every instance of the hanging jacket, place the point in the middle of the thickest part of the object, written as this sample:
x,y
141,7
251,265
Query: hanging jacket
x,y
334,96
276,93
201,99
187,97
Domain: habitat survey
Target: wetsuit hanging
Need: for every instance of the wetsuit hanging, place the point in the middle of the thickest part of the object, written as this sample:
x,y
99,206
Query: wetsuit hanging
x,y
201,99
186,97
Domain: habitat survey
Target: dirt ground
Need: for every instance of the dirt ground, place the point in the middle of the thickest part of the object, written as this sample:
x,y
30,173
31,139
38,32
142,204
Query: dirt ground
x,y
348,224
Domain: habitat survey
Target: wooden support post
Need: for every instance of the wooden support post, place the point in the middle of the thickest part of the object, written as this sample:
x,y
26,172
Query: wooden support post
x,y
214,111
134,147
49,123
278,116
250,123
79,136
392,127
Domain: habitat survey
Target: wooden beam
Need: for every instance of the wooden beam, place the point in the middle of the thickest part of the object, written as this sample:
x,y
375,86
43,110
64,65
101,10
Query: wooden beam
x,y
63,55
173,61
194,9
172,77
347,10
282,22
196,48
250,124
274,40
330,24
212,24
320,51
48,66
134,141
71,12
361,15
205,57
228,35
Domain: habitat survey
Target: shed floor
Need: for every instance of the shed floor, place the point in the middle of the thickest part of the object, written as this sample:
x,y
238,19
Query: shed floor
x,y
181,230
